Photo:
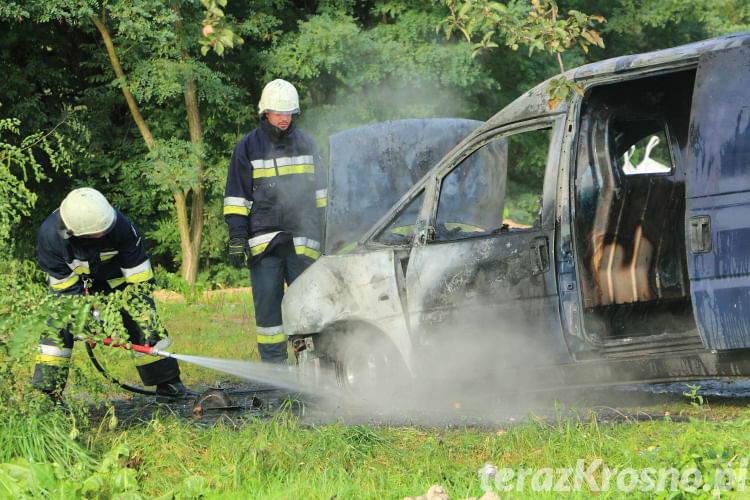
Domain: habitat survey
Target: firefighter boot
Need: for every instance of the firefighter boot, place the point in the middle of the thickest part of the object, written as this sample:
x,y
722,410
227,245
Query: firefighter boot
x,y
174,389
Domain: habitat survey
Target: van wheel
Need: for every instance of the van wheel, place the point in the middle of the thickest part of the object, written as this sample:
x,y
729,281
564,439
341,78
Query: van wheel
x,y
368,363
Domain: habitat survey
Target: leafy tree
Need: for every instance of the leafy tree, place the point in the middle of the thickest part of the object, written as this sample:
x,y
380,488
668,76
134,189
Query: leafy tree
x,y
365,62
152,52
542,29
21,163
689,21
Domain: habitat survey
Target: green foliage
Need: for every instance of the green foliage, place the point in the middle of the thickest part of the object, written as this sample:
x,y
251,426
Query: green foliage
x,y
355,74
175,165
40,436
29,312
522,208
24,311
541,30
112,478
216,34
695,399
648,18
23,162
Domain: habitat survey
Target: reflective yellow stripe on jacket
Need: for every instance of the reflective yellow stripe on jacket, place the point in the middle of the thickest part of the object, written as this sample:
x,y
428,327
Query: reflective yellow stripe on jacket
x,y
53,355
62,283
307,246
79,266
258,244
138,274
235,205
286,165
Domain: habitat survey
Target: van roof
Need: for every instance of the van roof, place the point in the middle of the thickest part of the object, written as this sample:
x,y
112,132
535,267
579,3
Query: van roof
x,y
682,54
533,103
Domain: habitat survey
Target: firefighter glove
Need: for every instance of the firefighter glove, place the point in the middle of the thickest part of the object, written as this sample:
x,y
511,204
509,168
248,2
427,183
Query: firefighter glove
x,y
237,251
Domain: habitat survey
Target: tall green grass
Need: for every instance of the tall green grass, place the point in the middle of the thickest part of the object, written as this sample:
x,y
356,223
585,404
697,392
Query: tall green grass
x,y
283,458
41,437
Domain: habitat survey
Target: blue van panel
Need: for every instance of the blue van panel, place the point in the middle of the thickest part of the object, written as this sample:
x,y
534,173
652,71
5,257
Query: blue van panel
x,y
718,191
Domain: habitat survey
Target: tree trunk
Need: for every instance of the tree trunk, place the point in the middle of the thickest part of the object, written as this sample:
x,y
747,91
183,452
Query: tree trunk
x,y
190,231
191,240
139,121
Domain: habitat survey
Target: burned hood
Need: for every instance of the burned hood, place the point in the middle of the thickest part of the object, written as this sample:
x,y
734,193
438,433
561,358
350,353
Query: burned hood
x,y
371,167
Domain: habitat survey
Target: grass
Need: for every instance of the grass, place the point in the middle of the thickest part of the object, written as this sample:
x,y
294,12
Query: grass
x,y
40,437
282,458
279,459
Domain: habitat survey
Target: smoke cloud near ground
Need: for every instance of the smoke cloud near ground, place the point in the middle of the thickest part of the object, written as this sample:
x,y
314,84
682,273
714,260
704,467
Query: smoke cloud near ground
x,y
479,371
465,363
481,374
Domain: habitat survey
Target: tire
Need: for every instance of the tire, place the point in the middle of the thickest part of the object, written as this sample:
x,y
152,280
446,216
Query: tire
x,y
367,363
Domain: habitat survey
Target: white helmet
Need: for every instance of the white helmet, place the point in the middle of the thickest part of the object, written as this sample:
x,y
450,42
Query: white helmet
x,y
86,211
279,96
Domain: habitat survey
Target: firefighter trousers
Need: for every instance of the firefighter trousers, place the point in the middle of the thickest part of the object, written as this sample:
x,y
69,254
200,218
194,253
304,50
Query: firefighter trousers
x,y
268,275
53,358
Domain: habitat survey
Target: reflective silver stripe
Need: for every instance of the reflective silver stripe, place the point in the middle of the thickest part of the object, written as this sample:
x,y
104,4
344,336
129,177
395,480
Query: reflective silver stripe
x,y
321,193
55,281
143,267
105,256
263,238
269,330
261,164
284,161
79,266
53,350
294,160
236,201
302,241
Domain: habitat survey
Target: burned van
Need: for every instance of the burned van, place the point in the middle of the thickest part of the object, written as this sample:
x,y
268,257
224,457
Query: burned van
x,y
604,241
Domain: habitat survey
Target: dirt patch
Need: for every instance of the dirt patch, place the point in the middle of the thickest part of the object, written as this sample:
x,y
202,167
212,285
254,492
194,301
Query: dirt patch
x,y
172,296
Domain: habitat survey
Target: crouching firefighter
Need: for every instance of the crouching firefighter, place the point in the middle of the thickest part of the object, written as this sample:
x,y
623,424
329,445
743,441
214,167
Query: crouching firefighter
x,y
89,247
274,204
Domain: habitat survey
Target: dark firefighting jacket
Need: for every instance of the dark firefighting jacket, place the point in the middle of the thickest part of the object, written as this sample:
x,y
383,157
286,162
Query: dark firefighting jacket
x,y
116,258
99,265
276,191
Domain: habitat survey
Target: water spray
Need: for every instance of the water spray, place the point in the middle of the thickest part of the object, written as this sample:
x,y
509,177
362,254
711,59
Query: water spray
x,y
276,376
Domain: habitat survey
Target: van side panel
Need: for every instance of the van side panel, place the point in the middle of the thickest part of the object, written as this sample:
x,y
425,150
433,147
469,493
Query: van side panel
x,y
718,199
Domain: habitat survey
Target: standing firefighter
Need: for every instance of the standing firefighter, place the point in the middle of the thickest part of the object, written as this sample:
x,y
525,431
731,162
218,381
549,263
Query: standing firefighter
x,y
273,204
88,246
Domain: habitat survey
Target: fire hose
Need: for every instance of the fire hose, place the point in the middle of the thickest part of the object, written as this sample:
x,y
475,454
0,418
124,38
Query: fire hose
x,y
143,349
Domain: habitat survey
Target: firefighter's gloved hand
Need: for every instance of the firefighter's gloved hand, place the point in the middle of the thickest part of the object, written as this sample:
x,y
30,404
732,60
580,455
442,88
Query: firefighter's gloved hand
x,y
154,337
237,251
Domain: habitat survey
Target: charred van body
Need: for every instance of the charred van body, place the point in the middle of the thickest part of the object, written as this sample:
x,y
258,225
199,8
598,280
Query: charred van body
x,y
604,241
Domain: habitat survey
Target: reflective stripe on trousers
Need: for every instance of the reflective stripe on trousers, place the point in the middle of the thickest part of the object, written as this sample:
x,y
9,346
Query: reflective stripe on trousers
x,y
268,276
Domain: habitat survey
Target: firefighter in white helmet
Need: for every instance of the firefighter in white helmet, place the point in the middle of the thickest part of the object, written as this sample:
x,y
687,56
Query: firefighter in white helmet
x,y
88,246
274,204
